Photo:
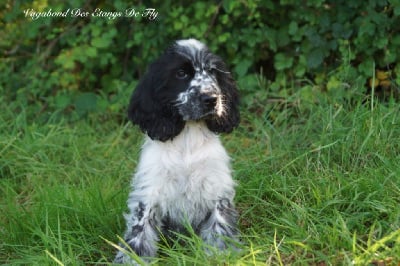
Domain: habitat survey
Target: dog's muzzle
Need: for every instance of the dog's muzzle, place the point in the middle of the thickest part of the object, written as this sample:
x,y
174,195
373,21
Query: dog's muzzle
x,y
195,104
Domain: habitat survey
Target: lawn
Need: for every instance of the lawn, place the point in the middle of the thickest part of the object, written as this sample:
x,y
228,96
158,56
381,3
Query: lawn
x,y
316,186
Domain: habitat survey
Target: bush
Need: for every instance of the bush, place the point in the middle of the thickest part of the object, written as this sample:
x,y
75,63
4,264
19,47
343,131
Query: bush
x,y
82,62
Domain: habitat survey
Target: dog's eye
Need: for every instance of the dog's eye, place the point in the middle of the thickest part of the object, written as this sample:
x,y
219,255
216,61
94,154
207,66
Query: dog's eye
x,y
181,74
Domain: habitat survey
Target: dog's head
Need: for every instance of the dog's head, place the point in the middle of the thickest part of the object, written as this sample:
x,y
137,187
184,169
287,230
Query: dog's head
x,y
187,83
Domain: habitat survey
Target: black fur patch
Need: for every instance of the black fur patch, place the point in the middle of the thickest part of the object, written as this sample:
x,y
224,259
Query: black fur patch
x,y
153,103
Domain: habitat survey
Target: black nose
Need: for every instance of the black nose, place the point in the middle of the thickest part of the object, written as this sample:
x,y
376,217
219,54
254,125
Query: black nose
x,y
208,100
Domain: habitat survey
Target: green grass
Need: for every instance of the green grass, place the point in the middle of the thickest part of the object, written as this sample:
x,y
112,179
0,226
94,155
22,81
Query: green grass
x,y
319,187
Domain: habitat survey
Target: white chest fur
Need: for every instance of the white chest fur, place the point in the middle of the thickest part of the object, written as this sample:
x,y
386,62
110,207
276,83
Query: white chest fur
x,y
184,177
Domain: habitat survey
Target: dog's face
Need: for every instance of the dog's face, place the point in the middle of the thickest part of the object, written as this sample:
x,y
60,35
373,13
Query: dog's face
x,y
201,95
186,83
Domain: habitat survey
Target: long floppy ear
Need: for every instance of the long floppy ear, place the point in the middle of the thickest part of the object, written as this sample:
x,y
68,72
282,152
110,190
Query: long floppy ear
x,y
154,113
230,117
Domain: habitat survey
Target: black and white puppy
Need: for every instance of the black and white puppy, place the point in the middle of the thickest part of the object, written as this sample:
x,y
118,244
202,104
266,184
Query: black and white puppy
x,y
186,98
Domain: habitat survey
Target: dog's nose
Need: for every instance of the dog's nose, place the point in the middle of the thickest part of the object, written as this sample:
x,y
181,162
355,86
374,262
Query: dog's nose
x,y
209,100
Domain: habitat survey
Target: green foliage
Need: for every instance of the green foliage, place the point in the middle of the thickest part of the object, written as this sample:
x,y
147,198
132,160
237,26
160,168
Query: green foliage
x,y
51,61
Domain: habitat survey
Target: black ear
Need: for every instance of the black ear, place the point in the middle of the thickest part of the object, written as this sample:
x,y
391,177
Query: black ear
x,y
231,116
154,113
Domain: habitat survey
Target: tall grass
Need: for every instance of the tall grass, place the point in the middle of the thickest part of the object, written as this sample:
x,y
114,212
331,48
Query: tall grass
x,y
321,187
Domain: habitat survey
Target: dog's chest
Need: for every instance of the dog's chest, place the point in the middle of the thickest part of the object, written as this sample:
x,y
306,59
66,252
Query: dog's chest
x,y
189,182
186,176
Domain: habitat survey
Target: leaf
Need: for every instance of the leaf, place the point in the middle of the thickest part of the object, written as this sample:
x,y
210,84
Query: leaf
x,y
91,51
301,66
66,60
293,28
307,93
229,5
61,101
367,28
86,102
242,67
333,84
315,58
100,42
299,70
396,10
281,61
366,67
270,36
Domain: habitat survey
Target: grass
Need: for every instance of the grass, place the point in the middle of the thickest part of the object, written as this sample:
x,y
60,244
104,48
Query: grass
x,y
319,186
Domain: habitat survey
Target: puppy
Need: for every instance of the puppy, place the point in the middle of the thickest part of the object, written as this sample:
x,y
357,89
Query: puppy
x,y
186,98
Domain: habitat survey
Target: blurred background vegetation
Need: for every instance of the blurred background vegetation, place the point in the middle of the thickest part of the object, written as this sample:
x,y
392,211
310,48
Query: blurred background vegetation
x,y
288,51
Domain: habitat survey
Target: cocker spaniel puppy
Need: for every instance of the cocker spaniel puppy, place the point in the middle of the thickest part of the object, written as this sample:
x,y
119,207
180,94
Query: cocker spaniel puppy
x,y
184,101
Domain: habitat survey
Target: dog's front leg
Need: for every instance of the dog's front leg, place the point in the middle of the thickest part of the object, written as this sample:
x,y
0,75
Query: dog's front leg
x,y
220,225
142,232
